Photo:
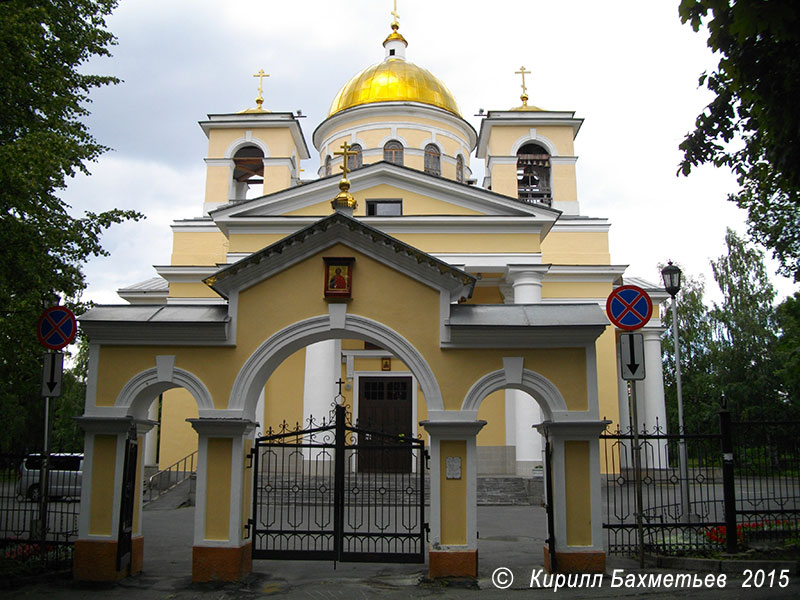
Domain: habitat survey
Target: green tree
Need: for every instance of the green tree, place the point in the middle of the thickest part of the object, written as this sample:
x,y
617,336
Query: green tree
x,y
697,369
745,336
752,125
44,45
788,351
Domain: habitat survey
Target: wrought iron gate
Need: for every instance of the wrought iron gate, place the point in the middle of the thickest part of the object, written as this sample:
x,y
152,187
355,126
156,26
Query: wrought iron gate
x,y
338,492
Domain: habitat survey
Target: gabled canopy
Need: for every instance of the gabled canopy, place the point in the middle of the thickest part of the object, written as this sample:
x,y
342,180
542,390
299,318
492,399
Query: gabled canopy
x,y
339,228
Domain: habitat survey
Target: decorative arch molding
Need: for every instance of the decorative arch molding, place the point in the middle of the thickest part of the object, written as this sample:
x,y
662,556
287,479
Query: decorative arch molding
x,y
138,393
542,389
394,137
536,139
246,141
260,365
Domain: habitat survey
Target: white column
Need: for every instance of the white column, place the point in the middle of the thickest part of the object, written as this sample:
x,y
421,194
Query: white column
x,y
151,437
526,282
655,407
319,388
319,382
529,441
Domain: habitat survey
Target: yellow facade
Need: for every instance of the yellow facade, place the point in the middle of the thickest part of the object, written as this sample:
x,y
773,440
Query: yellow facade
x,y
491,301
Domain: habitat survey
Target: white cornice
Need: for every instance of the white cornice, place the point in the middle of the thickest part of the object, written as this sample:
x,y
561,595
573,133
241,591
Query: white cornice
x,y
524,119
461,224
185,274
500,260
478,199
567,225
195,226
265,120
393,110
585,273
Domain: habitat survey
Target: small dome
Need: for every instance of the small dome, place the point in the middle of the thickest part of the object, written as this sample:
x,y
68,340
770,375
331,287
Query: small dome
x,y
394,80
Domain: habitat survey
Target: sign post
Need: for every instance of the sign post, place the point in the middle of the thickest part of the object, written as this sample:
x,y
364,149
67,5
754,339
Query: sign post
x,y
629,307
55,329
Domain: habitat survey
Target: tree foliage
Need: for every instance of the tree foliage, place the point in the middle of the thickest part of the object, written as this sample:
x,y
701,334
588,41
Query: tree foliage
x,y
752,125
744,329
788,350
742,348
695,343
44,45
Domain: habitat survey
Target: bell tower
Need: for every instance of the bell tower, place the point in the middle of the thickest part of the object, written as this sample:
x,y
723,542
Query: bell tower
x,y
251,153
530,154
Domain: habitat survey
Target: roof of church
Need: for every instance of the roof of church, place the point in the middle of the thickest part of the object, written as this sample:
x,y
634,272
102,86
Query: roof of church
x,y
394,80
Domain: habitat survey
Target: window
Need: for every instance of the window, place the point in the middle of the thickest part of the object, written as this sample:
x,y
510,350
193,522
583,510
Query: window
x,y
248,170
460,168
384,208
354,161
328,169
393,152
533,174
433,160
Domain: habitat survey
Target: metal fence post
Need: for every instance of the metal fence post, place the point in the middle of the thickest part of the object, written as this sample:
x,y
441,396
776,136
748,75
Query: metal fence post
x,y
338,493
728,482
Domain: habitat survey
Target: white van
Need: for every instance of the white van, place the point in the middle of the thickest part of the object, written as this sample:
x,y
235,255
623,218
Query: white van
x,y
64,478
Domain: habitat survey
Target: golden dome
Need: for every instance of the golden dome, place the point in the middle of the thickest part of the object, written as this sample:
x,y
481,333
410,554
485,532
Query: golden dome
x,y
394,80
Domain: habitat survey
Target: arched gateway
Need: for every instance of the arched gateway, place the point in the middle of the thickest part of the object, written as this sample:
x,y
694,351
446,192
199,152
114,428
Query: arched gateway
x,y
238,346
424,294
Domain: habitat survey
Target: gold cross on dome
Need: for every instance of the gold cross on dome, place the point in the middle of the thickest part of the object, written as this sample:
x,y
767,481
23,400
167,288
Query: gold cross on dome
x,y
345,153
394,13
261,74
523,72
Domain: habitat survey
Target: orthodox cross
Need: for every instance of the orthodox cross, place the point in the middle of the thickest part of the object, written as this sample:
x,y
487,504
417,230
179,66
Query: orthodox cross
x,y
261,74
345,153
394,13
523,72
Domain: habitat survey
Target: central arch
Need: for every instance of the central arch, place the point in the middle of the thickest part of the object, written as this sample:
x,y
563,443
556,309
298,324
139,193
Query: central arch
x,y
338,324
542,389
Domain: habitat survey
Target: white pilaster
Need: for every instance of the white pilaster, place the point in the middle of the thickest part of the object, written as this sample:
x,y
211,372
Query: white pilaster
x,y
151,437
526,283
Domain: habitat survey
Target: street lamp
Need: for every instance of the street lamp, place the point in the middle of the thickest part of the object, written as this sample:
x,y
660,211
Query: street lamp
x,y
671,276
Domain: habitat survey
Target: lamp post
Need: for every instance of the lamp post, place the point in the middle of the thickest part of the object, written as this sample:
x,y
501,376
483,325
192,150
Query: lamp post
x,y
671,276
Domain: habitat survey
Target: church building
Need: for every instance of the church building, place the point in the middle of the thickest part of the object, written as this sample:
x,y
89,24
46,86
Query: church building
x,y
469,314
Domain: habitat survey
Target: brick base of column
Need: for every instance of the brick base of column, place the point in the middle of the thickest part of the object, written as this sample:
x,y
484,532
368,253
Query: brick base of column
x,y
576,562
459,563
210,563
96,560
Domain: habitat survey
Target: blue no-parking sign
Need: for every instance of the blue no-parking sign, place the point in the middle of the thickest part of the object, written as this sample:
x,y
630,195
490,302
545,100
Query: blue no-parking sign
x,y
629,307
56,327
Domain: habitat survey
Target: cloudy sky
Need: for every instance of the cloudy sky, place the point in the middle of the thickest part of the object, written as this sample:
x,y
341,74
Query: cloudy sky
x,y
629,68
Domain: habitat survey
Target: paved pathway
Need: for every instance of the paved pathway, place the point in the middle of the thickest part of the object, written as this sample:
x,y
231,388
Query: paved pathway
x,y
511,537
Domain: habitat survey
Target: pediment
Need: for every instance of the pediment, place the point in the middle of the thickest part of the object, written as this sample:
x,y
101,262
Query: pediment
x,y
462,198
341,229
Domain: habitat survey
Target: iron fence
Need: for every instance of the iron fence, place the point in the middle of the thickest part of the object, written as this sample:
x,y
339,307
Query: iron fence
x,y
745,477
38,529
767,465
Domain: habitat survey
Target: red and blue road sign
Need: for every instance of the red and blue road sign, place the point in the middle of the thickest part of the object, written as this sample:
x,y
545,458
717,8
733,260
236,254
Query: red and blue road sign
x,y
629,307
56,327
